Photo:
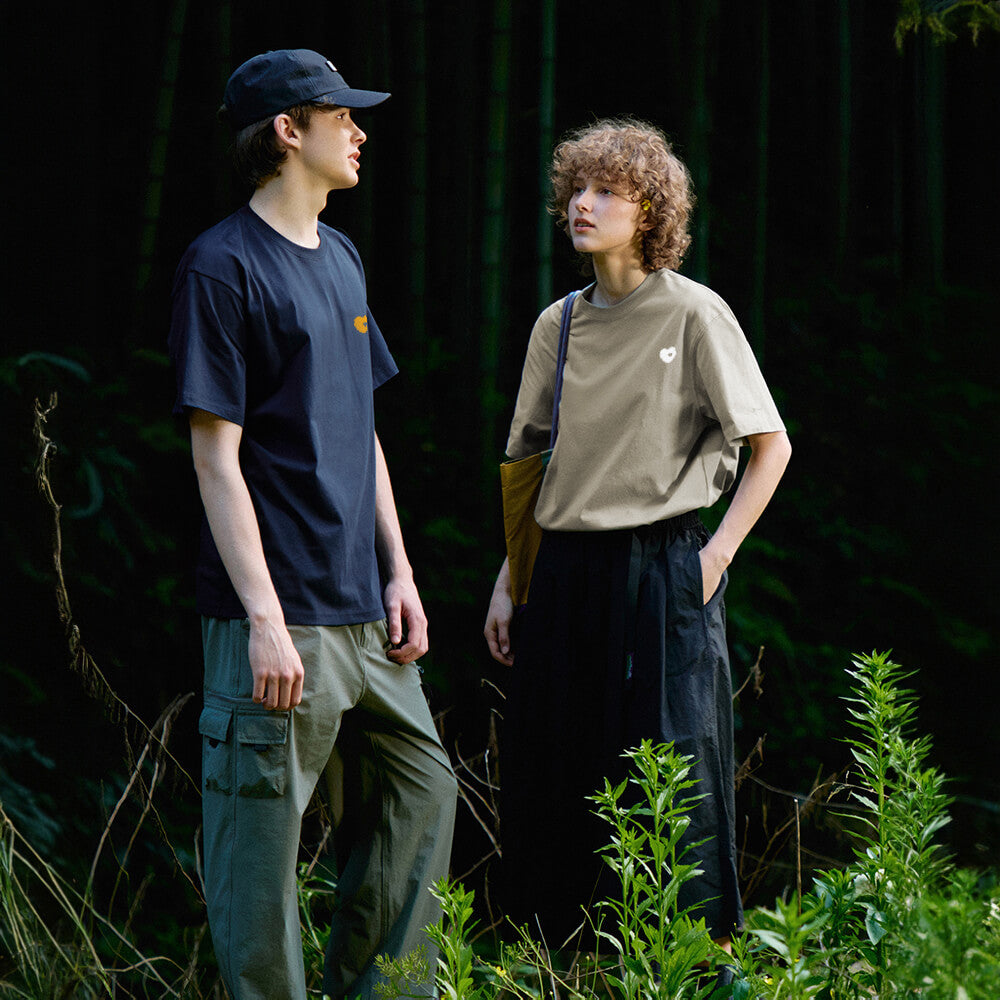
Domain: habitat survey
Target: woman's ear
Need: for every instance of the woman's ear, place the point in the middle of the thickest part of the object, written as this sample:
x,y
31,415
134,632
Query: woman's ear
x,y
645,223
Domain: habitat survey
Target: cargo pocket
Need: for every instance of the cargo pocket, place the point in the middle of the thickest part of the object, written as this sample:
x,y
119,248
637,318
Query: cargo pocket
x,y
262,753
216,751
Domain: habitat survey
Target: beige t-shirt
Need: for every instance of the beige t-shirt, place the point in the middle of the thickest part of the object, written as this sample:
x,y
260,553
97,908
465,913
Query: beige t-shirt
x,y
659,392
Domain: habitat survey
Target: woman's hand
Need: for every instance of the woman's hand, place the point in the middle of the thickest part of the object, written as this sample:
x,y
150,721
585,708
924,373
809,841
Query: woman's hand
x,y
712,568
769,454
498,619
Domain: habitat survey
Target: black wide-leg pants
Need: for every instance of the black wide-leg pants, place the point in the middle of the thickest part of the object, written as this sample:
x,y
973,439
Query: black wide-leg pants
x,y
614,646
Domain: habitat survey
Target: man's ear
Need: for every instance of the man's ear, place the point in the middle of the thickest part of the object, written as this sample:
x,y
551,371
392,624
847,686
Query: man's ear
x,y
288,133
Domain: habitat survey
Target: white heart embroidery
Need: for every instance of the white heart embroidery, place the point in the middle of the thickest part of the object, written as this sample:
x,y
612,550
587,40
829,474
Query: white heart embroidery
x,y
668,354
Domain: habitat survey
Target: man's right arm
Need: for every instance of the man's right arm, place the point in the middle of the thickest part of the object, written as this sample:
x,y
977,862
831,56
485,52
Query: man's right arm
x,y
276,666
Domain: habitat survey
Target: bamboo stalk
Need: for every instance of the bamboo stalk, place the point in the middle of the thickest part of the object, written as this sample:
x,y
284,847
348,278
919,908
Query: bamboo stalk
x,y
757,324
493,242
417,175
701,124
546,116
162,119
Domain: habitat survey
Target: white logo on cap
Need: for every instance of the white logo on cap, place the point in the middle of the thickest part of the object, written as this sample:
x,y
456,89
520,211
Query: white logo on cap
x,y
330,64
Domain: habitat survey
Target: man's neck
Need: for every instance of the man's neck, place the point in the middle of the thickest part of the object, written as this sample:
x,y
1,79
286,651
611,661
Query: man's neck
x,y
289,210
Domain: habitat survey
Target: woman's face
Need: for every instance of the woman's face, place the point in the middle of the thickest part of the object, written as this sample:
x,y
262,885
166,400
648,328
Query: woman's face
x,y
602,218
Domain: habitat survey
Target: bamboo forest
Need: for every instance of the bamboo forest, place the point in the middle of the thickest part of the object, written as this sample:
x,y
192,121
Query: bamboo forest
x,y
846,170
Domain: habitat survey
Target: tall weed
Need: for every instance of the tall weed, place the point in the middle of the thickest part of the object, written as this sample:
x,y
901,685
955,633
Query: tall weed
x,y
898,921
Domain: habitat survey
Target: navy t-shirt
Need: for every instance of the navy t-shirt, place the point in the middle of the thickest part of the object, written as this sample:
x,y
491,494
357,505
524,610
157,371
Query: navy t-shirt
x,y
278,338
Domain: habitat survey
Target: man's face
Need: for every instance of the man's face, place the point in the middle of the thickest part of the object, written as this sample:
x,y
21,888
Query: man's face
x,y
331,148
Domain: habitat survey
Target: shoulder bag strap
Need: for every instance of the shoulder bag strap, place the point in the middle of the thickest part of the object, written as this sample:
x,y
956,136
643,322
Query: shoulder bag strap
x,y
567,314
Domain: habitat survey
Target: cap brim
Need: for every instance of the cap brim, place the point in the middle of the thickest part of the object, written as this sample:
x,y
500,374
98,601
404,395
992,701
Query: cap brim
x,y
350,98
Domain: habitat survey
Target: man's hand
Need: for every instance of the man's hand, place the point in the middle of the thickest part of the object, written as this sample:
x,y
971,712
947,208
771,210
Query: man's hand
x,y
498,619
276,666
274,662
402,604
400,597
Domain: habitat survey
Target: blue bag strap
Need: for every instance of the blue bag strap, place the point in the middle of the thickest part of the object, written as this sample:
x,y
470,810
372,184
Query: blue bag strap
x,y
567,314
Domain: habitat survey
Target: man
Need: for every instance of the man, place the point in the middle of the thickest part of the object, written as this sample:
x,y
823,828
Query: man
x,y
310,651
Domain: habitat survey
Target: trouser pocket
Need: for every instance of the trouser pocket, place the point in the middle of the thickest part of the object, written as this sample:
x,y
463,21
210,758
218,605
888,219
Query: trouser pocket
x,y
215,726
691,624
245,747
261,753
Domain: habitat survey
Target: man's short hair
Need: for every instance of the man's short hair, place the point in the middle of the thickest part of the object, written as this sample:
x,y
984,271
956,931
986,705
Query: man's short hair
x,y
635,156
257,153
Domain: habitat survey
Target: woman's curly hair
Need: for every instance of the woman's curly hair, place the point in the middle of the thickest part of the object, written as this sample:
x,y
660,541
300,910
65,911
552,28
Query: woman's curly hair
x,y
636,156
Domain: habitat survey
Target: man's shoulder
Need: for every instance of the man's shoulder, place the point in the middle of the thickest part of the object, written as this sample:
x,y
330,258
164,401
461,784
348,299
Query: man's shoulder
x,y
338,242
219,252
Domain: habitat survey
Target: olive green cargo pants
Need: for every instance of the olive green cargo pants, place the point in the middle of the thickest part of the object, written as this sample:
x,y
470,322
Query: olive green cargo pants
x,y
364,728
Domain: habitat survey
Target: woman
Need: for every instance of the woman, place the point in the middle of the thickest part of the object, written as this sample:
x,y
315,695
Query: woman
x,y
623,634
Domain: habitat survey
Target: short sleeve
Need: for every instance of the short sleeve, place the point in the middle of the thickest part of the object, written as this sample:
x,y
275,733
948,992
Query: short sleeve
x,y
208,347
383,365
731,387
532,422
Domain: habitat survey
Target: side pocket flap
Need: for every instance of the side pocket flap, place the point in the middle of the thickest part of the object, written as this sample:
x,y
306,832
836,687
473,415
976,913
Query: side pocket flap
x,y
214,723
265,730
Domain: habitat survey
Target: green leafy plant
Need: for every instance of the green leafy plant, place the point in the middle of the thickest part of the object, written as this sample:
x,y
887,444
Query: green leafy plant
x,y
791,965
944,18
660,946
656,948
898,921
408,976
451,936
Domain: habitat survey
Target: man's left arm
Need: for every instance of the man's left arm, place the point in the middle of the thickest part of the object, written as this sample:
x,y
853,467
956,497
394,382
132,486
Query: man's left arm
x,y
401,600
769,454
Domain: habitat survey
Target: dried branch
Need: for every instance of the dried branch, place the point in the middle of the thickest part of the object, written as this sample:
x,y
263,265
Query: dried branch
x,y
81,662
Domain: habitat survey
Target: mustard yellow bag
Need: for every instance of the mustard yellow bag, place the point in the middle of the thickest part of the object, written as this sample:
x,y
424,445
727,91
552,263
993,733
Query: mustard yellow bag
x,y
521,482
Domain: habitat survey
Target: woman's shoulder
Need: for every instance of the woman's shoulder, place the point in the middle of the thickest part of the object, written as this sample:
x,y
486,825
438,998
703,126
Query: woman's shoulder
x,y
684,290
552,313
546,328
697,306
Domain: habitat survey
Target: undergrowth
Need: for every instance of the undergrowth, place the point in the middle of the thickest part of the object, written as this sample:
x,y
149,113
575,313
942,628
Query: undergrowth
x,y
897,922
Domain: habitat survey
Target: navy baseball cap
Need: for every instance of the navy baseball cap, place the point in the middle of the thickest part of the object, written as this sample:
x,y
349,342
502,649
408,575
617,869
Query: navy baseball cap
x,y
268,84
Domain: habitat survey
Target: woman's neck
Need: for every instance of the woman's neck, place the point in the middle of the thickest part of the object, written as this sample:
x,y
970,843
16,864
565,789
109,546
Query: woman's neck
x,y
617,278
